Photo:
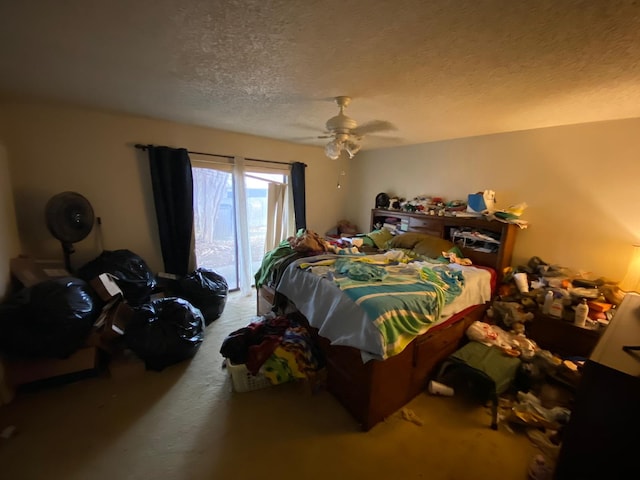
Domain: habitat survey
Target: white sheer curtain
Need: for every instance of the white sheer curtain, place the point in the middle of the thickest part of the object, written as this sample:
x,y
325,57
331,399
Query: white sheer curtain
x,y
290,224
245,276
276,208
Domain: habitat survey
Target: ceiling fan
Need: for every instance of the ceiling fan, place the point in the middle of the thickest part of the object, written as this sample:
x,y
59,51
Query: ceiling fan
x,y
345,132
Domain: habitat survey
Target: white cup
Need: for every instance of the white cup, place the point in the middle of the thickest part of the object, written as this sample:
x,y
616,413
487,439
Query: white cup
x,y
521,282
437,388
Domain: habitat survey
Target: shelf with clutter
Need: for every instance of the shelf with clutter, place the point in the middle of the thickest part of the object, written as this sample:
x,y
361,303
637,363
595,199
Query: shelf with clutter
x,y
542,303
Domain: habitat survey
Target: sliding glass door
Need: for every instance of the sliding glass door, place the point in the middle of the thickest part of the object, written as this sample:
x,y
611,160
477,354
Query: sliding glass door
x,y
214,223
217,217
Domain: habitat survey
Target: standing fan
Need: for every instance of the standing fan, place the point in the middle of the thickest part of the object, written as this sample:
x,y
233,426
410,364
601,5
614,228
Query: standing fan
x,y
69,218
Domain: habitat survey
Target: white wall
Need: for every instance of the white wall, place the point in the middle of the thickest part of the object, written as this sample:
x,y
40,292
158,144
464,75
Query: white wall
x,y
53,148
580,183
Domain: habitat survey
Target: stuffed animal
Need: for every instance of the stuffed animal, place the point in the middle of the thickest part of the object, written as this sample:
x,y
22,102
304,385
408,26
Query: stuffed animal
x,y
510,313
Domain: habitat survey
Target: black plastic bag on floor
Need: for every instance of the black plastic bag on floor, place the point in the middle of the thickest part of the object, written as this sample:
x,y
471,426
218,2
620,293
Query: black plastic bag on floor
x,y
206,290
165,331
51,319
133,275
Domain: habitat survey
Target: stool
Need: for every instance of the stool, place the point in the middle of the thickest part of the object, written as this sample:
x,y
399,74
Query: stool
x,y
487,371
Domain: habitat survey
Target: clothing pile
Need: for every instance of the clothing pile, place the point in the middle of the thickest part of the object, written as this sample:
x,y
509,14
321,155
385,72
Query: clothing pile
x,y
279,347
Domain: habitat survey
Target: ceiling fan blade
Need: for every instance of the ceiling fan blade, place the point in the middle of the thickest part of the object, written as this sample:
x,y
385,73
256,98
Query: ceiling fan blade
x,y
372,127
303,139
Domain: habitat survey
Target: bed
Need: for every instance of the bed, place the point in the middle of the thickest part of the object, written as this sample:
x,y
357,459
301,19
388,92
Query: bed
x,y
374,369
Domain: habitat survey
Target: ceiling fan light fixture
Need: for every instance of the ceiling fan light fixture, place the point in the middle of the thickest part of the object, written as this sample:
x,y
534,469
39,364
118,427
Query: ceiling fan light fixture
x,y
333,149
352,148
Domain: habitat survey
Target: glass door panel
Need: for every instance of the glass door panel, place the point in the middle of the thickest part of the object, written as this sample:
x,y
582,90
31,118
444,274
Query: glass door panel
x,y
214,223
216,244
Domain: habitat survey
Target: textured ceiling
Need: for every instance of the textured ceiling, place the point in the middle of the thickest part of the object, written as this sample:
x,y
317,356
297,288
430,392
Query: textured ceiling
x,y
435,69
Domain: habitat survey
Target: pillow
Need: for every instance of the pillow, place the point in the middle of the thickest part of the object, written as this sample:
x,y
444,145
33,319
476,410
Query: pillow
x,y
433,247
367,241
406,240
381,237
430,245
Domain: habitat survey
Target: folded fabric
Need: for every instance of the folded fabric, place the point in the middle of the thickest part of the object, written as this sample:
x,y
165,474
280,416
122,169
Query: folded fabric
x,y
381,237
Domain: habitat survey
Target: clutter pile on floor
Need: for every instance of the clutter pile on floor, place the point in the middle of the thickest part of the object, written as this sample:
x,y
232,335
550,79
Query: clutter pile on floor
x,y
540,397
111,314
277,347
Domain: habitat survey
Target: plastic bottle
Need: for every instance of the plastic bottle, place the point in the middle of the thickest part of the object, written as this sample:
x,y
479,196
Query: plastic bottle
x,y
582,309
548,300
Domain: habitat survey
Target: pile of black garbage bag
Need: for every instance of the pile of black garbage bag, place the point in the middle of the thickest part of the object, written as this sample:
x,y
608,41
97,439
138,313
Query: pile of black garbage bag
x,y
51,319
54,318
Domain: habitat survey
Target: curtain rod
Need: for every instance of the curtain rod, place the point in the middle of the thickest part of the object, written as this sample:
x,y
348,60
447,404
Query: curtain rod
x,y
230,157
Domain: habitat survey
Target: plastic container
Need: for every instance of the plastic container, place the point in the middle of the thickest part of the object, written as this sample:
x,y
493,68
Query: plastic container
x,y
556,308
582,310
548,301
243,380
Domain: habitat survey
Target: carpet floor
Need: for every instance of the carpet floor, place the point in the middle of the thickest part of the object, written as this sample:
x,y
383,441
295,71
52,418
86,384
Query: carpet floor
x,y
185,422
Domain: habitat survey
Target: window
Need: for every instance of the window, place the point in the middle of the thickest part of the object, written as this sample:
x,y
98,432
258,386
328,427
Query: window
x,y
217,218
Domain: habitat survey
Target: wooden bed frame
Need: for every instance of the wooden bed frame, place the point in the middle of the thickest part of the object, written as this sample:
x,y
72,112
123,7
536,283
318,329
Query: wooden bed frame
x,y
374,390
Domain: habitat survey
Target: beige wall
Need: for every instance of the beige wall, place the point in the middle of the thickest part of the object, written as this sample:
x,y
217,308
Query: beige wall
x,y
580,183
53,148
9,242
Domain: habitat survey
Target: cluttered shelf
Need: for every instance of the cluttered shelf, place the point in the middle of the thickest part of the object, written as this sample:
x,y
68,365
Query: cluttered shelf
x,y
485,242
560,310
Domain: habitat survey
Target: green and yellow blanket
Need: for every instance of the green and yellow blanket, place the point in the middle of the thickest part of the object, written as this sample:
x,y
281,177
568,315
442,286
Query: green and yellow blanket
x,y
403,300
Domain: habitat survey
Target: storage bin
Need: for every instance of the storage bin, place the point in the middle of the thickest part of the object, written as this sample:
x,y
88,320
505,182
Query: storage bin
x,y
243,380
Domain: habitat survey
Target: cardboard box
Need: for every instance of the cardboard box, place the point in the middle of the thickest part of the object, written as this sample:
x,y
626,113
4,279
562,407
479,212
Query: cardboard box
x,y
106,287
117,320
20,372
30,272
110,325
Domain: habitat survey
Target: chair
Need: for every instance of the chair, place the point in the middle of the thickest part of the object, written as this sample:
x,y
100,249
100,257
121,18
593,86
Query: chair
x,y
484,372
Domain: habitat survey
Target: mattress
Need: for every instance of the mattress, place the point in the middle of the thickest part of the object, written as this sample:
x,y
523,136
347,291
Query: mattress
x,y
317,294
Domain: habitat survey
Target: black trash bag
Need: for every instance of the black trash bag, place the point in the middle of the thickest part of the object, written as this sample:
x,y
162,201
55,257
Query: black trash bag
x,y
165,331
133,276
51,319
206,290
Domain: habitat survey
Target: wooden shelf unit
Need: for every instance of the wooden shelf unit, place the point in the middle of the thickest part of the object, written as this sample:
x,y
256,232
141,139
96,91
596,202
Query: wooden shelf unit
x,y
445,227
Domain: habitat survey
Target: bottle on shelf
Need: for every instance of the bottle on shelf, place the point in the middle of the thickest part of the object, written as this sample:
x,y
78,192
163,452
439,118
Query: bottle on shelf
x,y
582,309
548,301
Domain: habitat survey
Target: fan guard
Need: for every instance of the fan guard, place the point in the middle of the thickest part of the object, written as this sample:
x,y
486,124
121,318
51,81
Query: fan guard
x,y
69,217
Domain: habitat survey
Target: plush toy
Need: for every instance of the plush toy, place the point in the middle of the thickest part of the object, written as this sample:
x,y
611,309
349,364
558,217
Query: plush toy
x,y
509,313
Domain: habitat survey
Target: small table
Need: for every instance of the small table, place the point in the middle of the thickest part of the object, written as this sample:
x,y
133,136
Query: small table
x,y
562,337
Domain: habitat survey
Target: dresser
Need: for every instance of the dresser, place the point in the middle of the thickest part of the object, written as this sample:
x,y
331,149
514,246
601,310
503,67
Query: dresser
x,y
602,439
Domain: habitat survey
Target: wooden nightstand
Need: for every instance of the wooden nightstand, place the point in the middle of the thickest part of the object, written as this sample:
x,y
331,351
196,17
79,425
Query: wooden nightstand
x,y
265,300
562,337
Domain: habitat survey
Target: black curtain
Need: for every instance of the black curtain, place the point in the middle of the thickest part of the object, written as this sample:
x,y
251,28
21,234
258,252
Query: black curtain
x,y
172,182
299,202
